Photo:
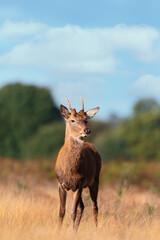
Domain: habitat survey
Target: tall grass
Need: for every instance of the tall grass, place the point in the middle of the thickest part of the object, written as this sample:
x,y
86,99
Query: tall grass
x,y
128,208
32,213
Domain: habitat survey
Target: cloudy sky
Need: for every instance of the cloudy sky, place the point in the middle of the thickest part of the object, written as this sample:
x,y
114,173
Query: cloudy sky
x,y
107,51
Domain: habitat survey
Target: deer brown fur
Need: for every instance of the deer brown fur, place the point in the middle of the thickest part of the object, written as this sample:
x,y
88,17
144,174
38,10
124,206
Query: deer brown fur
x,y
78,164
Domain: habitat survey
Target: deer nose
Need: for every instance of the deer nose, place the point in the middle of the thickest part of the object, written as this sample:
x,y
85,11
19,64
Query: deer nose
x,y
87,130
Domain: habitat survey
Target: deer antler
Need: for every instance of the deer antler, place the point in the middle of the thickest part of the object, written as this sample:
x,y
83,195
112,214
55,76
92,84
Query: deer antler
x,y
82,103
68,103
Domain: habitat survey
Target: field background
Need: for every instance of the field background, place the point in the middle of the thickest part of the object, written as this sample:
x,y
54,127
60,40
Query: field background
x,y
29,204
31,134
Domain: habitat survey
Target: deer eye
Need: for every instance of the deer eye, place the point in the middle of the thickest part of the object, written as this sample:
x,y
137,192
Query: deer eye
x,y
72,121
85,121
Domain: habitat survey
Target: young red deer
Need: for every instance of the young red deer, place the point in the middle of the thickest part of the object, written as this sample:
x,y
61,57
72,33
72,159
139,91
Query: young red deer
x,y
78,164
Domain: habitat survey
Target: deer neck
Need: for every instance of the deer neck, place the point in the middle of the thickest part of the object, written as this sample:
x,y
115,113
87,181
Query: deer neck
x,y
72,141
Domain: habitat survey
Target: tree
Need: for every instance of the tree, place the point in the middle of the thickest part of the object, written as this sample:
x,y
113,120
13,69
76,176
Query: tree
x,y
45,143
146,105
23,109
137,137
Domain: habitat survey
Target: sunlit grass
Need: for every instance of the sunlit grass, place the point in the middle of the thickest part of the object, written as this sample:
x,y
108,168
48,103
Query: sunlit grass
x,y
33,214
128,208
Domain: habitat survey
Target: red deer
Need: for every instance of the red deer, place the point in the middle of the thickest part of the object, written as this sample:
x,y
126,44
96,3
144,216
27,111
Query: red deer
x,y
78,163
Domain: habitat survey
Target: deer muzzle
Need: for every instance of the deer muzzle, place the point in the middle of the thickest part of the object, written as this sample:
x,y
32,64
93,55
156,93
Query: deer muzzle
x,y
87,131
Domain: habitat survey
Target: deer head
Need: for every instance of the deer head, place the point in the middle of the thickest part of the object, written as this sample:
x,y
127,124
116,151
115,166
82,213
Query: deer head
x,y
76,123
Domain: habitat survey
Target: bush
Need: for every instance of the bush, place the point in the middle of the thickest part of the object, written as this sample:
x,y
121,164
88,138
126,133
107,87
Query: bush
x,y
45,143
133,139
23,109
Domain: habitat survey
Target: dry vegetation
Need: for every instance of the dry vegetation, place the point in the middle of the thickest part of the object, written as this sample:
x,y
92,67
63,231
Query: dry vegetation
x,y
29,208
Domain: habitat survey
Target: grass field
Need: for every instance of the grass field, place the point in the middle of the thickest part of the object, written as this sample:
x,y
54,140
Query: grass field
x,y
29,210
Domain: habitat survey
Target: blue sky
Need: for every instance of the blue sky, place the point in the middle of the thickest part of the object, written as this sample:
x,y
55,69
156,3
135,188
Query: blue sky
x,y
108,52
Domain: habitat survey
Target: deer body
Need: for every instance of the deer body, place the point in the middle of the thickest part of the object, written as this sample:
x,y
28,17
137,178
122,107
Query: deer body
x,y
78,164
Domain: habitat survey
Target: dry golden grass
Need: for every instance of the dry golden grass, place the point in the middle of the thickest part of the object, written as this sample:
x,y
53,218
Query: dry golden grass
x,y
29,204
30,211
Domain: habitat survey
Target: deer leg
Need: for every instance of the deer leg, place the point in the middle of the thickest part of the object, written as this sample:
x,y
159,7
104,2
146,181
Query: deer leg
x,y
76,201
62,196
80,210
94,193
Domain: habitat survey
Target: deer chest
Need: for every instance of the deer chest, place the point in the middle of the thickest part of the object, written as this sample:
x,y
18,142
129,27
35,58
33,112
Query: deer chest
x,y
77,170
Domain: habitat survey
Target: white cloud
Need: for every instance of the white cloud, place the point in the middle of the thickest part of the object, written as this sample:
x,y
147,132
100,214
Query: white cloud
x,y
17,30
72,49
147,86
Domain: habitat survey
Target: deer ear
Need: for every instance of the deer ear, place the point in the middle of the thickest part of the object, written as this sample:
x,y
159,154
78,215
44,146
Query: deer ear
x,y
64,112
90,113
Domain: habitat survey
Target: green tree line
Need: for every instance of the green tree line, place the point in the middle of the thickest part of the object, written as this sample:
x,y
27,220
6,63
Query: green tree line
x,y
134,138
24,112
31,127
